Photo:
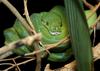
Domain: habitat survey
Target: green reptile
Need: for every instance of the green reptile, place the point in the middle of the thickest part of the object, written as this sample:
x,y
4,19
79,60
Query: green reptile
x,y
53,26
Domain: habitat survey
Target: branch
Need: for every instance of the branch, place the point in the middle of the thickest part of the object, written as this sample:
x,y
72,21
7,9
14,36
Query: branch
x,y
50,46
24,22
27,16
96,23
6,54
17,14
36,44
94,10
24,62
26,41
72,66
56,44
68,67
16,65
90,6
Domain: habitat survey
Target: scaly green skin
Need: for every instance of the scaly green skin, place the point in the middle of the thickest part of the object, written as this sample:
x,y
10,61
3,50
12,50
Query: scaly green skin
x,y
53,26
10,36
21,31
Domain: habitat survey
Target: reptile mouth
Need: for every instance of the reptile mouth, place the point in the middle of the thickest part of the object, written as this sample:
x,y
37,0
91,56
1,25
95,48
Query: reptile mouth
x,y
55,33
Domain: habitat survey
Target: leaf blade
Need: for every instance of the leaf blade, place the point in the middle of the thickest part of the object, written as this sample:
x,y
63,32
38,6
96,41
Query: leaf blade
x,y
79,34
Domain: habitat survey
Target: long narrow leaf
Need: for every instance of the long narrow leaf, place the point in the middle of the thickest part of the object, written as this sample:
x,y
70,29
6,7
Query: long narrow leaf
x,y
79,34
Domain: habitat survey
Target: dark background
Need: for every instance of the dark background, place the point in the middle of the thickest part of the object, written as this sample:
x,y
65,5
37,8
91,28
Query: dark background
x,y
7,20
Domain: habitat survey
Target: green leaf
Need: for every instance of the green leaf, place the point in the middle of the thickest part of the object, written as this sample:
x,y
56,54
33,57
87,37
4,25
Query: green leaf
x,y
79,34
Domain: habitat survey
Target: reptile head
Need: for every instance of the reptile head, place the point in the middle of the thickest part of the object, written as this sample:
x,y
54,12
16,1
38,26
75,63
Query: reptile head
x,y
52,22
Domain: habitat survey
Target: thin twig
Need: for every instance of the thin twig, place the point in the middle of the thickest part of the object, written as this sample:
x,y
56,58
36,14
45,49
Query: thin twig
x,y
96,23
94,35
24,62
28,40
6,64
17,14
13,65
6,54
72,65
93,10
9,68
54,45
27,16
96,54
36,44
90,6
65,40
94,26
16,65
17,57
50,46
38,58
10,59
68,67
26,13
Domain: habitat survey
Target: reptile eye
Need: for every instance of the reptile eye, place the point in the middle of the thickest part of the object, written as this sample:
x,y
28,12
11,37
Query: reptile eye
x,y
44,22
